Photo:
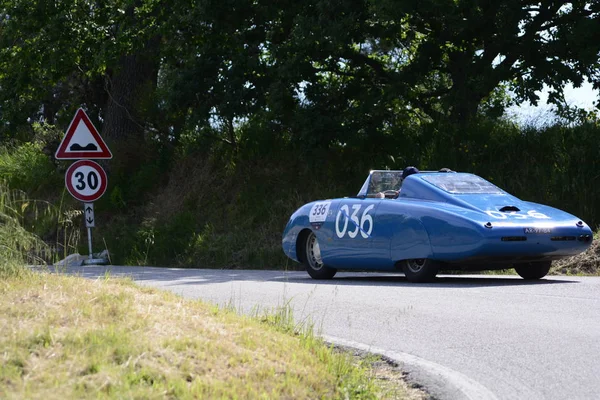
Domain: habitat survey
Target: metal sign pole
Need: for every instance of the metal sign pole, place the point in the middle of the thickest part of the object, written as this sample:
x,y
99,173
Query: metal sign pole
x,y
90,222
90,242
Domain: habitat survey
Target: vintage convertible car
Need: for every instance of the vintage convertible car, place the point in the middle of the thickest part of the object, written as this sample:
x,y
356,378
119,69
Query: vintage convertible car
x,y
429,222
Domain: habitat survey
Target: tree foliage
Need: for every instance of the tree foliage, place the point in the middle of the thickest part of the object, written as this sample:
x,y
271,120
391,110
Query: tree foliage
x,y
318,72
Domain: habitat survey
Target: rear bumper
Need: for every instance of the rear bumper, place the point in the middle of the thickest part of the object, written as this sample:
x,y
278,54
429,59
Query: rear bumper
x,y
510,245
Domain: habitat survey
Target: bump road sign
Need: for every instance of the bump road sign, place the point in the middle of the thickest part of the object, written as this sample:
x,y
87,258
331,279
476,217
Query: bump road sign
x,y
85,179
82,141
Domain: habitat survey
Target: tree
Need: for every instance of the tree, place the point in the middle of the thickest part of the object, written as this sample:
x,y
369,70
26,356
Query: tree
x,y
464,50
325,72
58,56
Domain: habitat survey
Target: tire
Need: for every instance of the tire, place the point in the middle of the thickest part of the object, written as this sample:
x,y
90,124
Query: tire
x,y
420,270
533,270
312,259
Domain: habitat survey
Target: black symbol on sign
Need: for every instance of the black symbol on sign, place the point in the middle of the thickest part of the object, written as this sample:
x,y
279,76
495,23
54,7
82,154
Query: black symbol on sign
x,y
88,147
90,220
92,180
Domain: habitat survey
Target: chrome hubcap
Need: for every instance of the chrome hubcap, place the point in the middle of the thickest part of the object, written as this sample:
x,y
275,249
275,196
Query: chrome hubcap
x,y
313,253
416,265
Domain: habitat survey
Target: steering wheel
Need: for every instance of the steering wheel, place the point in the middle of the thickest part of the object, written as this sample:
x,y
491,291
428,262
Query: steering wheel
x,y
391,194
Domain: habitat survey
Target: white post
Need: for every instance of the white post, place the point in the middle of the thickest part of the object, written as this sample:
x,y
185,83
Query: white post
x,y
90,242
90,222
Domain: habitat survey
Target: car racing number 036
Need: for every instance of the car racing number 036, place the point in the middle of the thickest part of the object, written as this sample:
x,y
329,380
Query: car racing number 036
x,y
341,228
530,214
345,219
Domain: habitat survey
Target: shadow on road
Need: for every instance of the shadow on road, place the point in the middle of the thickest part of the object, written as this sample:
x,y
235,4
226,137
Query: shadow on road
x,y
211,276
453,281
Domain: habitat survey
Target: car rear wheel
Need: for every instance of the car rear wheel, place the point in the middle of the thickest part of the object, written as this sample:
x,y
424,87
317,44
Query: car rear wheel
x,y
533,270
420,270
313,261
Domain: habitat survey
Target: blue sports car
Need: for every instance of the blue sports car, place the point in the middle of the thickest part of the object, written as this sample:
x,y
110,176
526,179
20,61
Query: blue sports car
x,y
431,221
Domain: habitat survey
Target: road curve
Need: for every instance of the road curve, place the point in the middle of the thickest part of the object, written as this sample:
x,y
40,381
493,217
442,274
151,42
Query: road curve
x,y
469,336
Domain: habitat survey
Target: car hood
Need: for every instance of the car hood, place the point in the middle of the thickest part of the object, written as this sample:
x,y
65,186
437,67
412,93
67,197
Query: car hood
x,y
509,208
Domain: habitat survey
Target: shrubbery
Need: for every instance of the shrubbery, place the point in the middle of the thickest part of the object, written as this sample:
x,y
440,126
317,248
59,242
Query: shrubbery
x,y
209,205
26,167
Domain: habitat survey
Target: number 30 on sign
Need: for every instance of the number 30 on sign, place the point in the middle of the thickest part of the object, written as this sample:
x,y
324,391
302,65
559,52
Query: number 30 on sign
x,y
86,180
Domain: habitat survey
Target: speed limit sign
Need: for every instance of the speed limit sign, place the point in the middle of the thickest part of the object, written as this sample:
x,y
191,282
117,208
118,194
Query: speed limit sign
x,y
86,180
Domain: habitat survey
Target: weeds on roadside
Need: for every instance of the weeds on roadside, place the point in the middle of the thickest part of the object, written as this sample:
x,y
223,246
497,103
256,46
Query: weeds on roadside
x,y
17,246
29,168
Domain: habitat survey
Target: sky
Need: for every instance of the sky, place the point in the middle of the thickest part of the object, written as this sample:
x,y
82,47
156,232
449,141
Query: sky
x,y
585,97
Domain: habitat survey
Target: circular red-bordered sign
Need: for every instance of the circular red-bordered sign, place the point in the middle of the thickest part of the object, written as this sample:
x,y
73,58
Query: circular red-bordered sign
x,y
86,180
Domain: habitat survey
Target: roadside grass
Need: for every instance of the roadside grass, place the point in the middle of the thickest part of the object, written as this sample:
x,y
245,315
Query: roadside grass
x,y
17,245
70,338
65,337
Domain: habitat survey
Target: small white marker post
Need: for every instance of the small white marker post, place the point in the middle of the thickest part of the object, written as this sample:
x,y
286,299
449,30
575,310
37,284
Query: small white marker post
x,y
90,222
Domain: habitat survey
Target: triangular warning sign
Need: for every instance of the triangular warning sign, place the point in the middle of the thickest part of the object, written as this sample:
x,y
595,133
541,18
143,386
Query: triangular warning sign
x,y
82,141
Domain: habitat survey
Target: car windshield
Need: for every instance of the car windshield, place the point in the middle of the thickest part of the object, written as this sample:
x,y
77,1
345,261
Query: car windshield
x,y
462,184
384,180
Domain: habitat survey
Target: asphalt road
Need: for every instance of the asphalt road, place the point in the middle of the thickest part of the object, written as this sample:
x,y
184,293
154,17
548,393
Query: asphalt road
x,y
475,336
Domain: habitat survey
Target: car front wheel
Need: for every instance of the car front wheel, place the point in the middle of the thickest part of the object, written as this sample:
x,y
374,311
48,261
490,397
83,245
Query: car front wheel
x,y
533,270
420,270
313,261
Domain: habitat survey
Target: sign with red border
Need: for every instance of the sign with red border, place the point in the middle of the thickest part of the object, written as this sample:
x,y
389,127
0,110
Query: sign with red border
x,y
86,180
82,141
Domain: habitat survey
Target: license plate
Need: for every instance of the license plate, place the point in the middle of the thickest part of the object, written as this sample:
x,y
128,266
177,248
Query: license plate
x,y
535,231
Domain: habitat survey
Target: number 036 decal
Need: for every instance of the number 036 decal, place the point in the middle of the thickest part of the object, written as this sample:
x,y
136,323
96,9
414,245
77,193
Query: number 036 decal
x,y
530,214
343,216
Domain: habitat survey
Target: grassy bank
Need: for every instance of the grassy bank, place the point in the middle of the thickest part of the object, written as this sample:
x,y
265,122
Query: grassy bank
x,y
71,338
65,337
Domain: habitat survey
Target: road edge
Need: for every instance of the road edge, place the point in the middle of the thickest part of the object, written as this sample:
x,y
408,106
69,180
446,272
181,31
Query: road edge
x,y
437,380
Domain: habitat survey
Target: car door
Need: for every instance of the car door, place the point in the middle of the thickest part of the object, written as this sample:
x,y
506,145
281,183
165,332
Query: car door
x,y
349,234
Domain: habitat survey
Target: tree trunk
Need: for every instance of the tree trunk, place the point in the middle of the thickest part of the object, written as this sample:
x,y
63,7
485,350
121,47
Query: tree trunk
x,y
129,86
465,94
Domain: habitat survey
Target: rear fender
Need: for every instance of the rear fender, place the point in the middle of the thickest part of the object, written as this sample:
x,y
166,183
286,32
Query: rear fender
x,y
410,240
453,236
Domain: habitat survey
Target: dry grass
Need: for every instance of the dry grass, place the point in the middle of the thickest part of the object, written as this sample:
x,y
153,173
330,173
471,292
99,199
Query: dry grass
x,y
586,263
66,337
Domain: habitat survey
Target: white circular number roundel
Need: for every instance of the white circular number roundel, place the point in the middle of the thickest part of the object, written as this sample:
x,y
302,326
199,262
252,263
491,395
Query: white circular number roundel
x,y
86,180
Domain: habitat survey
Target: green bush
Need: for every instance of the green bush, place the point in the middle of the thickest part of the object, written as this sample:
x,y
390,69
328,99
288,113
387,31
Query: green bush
x,y
27,167
228,208
219,206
